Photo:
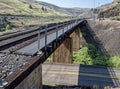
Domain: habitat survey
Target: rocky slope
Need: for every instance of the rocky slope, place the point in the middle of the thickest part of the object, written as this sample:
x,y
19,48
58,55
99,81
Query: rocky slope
x,y
109,10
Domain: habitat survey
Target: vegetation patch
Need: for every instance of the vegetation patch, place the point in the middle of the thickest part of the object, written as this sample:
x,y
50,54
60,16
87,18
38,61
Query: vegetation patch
x,y
89,55
4,24
118,1
116,18
114,62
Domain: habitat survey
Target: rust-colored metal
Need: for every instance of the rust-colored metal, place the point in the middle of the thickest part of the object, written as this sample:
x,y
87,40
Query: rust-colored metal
x,y
18,76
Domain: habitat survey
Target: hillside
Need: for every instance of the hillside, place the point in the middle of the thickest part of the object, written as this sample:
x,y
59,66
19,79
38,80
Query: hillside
x,y
107,36
69,11
19,13
26,7
109,10
37,8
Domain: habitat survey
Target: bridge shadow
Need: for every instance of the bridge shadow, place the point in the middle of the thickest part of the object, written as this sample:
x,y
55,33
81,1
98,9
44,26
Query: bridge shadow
x,y
64,87
94,76
91,38
97,77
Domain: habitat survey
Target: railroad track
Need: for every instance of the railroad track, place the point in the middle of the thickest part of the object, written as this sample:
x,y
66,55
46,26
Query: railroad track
x,y
21,32
18,32
10,61
11,43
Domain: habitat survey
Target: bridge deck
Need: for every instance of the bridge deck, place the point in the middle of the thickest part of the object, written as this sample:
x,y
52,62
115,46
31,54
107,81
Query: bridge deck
x,y
60,74
32,49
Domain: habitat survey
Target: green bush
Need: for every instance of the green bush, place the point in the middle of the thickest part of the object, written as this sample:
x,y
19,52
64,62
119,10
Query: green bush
x,y
88,55
114,62
8,27
115,18
2,29
82,57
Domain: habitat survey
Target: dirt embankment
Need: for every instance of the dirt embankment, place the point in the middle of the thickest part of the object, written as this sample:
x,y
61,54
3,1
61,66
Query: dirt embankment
x,y
107,33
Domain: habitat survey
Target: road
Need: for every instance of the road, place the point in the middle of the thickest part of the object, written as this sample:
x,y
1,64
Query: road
x,y
82,75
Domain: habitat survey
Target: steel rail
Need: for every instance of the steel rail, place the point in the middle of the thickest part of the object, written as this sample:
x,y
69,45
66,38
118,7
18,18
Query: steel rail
x,y
17,38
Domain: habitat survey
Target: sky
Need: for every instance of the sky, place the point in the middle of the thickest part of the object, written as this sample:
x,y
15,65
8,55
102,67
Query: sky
x,y
78,3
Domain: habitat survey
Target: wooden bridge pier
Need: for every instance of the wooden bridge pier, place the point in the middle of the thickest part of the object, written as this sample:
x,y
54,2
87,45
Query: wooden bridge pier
x,y
76,39
63,54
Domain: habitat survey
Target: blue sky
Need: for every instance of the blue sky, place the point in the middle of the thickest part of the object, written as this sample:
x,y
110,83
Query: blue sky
x,y
78,3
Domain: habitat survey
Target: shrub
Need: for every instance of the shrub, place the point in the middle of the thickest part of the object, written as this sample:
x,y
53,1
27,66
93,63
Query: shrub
x,y
118,1
2,29
89,55
8,27
116,18
114,62
30,6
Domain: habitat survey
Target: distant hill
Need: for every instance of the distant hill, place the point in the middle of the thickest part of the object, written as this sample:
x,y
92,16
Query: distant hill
x,y
70,11
27,7
36,8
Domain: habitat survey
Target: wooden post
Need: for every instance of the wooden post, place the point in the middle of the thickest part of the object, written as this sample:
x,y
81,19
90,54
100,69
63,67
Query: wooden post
x,y
76,39
63,54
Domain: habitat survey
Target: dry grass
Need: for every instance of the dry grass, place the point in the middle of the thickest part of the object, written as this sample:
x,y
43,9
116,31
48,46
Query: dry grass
x,y
17,7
